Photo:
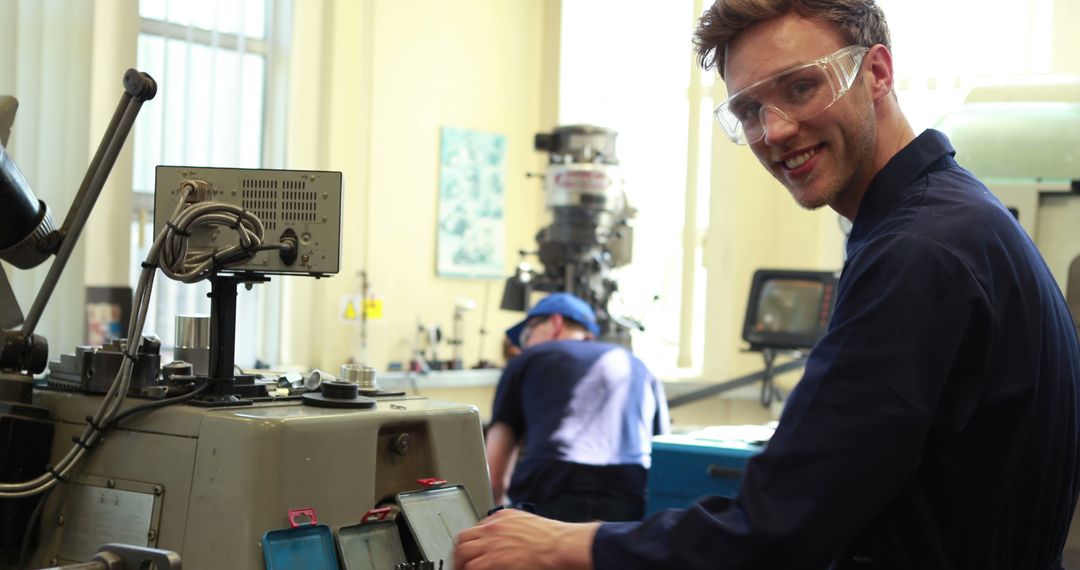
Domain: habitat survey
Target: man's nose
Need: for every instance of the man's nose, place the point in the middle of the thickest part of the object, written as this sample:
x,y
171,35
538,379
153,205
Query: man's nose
x,y
778,126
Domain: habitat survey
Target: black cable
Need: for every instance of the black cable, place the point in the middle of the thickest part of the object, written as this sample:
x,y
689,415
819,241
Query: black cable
x,y
768,388
24,546
155,405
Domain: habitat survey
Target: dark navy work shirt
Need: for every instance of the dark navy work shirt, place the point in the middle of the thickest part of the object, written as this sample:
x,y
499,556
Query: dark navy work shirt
x,y
578,405
935,426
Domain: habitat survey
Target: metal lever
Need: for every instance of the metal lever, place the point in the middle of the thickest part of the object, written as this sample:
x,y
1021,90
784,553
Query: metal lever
x,y
128,557
138,88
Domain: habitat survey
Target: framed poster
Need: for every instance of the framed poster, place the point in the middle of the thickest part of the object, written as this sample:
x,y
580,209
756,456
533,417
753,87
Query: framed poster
x,y
108,310
472,198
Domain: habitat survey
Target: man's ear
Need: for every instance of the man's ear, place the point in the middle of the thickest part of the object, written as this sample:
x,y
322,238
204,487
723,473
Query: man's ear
x,y
879,66
557,324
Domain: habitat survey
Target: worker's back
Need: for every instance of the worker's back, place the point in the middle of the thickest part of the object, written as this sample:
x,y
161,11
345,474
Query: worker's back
x,y
587,412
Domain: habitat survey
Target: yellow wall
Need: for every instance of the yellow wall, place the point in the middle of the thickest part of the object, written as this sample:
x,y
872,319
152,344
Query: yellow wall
x,y
754,224
395,72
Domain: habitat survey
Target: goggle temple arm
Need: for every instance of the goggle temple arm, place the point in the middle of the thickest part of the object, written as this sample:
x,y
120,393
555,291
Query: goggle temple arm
x,y
845,67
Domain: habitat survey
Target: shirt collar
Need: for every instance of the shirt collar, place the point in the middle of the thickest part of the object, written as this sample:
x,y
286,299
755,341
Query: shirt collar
x,y
889,183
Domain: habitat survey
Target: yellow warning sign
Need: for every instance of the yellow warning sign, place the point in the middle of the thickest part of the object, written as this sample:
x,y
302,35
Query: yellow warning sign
x,y
373,309
349,308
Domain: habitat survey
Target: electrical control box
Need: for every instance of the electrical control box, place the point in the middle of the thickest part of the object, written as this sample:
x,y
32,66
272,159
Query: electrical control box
x,y
303,207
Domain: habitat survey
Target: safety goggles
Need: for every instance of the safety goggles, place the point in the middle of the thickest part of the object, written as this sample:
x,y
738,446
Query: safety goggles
x,y
797,94
529,326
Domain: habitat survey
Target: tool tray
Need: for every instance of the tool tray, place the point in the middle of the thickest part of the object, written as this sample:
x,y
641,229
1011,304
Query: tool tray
x,y
434,517
303,546
374,544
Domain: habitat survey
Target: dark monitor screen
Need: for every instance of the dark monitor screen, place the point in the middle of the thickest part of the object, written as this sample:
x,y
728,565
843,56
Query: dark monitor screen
x,y
788,309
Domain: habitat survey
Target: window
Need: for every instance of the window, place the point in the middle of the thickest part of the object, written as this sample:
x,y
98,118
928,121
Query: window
x,y
211,60
1001,42
609,77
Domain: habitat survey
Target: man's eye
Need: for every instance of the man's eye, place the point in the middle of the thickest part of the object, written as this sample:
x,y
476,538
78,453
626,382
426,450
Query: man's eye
x,y
746,111
801,90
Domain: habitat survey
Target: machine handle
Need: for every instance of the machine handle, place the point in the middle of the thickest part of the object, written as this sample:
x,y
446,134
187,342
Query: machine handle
x,y
139,85
307,512
378,514
714,470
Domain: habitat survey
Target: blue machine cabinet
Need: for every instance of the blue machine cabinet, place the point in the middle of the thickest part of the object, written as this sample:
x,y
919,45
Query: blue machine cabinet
x,y
685,468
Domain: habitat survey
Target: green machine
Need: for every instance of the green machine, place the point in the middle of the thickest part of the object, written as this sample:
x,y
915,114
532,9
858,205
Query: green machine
x,y
1024,143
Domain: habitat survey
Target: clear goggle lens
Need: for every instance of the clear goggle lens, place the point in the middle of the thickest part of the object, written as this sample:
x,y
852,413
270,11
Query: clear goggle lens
x,y
797,94
527,330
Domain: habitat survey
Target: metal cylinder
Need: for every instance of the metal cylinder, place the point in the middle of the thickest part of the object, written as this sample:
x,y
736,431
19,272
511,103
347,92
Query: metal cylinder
x,y
26,223
317,378
360,374
193,342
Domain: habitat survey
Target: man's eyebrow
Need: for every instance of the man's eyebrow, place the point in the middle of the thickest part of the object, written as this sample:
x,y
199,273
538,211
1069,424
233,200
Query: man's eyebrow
x,y
793,72
741,100
783,75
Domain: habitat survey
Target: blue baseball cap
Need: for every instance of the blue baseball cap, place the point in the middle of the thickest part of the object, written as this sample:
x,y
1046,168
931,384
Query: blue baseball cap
x,y
563,304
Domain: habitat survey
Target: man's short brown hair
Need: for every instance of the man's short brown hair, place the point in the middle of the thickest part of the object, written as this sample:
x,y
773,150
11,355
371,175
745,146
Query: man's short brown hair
x,y
861,22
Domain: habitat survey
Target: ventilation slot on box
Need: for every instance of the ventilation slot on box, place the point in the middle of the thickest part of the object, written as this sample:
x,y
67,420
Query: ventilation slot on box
x,y
260,197
298,206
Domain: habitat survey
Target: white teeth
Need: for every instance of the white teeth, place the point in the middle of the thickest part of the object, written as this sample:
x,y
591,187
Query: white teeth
x,y
799,160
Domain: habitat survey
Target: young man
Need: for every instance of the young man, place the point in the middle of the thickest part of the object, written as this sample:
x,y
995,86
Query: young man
x,y
936,425
584,414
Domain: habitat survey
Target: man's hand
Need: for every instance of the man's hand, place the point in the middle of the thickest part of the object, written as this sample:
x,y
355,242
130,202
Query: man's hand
x,y
515,539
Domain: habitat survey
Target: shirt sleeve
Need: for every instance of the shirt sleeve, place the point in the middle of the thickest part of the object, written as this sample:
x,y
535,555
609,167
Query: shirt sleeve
x,y
852,433
662,419
508,407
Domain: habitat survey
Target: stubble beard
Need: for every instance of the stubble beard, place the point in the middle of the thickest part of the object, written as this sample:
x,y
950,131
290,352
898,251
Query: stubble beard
x,y
859,135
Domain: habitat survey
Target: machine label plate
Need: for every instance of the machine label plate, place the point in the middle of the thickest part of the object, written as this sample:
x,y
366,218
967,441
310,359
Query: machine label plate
x,y
98,515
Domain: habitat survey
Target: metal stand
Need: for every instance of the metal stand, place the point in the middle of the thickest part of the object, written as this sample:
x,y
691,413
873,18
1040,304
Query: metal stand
x,y
226,388
769,391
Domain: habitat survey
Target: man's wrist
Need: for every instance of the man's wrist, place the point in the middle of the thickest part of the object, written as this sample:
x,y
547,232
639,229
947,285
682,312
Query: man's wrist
x,y
574,550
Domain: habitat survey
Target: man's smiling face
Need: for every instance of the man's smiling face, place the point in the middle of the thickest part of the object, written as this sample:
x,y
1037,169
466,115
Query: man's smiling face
x,y
819,159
